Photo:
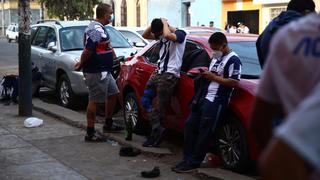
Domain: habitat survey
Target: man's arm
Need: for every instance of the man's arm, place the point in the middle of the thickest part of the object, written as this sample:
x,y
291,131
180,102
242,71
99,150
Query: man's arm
x,y
221,80
84,57
261,121
147,34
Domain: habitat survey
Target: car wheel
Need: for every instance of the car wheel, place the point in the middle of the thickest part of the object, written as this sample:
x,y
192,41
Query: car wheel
x,y
132,117
66,96
232,146
9,40
16,39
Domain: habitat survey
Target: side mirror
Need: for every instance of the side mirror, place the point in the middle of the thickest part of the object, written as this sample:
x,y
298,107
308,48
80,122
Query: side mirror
x,y
139,44
52,47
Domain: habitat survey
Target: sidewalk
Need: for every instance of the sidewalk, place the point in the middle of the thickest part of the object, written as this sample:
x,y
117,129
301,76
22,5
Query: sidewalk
x,y
57,151
79,120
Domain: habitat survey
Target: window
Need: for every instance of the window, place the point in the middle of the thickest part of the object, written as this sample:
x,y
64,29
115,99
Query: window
x,y
152,56
124,13
132,38
138,14
249,58
40,37
33,32
274,12
194,56
51,37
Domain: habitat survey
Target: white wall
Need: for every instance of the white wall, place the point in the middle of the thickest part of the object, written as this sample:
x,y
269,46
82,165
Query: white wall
x,y
204,11
169,9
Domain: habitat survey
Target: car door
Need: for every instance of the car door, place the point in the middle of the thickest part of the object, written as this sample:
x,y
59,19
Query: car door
x,y
38,50
50,57
145,66
194,56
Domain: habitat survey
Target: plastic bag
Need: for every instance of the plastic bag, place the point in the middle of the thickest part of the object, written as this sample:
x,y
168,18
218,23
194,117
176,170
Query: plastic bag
x,y
33,122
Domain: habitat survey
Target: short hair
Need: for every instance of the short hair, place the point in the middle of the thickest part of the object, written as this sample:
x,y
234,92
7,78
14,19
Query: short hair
x,y
218,38
301,6
101,10
156,25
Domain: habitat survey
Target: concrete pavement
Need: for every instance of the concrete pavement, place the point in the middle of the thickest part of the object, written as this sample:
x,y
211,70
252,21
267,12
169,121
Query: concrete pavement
x,y
166,155
57,151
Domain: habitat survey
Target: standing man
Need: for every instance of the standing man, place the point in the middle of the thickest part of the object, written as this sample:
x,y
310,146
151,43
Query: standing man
x,y
289,81
163,82
211,24
212,94
295,10
96,61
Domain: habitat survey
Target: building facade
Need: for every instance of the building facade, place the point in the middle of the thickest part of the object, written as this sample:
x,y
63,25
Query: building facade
x,y
10,12
180,13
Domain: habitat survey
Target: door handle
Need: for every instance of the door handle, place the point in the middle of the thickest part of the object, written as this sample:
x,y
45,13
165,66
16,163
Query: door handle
x,y
139,70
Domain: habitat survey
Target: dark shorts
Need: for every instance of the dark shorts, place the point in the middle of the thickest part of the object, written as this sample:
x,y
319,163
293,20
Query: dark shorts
x,y
100,88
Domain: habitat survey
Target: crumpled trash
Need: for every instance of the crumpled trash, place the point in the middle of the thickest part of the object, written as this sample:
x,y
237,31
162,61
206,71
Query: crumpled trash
x,y
33,122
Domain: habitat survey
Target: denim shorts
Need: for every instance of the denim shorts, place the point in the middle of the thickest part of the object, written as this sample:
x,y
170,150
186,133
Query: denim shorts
x,y
100,88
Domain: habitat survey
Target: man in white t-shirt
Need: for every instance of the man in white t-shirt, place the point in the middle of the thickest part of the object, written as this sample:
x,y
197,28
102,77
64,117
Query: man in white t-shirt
x,y
162,83
291,75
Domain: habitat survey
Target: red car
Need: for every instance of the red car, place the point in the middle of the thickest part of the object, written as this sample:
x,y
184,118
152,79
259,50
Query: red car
x,y
233,142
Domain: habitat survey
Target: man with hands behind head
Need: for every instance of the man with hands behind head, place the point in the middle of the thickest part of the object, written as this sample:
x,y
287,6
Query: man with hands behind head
x,y
162,82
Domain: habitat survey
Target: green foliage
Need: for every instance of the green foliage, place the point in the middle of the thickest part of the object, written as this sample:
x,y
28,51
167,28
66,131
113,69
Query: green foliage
x,y
70,9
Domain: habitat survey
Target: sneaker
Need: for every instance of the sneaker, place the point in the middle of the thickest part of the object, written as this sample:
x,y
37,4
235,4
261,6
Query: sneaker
x,y
178,165
113,128
184,167
155,172
161,132
94,138
149,142
129,152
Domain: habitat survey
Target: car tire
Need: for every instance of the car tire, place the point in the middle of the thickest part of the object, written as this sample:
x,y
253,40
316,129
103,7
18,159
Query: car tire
x,y
231,145
132,118
16,39
9,40
66,96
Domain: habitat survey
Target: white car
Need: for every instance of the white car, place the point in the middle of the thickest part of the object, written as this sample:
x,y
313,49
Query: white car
x,y
134,36
12,32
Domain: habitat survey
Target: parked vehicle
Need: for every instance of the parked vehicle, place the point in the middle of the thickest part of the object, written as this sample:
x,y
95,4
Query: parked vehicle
x,y
57,46
200,30
134,36
233,142
12,33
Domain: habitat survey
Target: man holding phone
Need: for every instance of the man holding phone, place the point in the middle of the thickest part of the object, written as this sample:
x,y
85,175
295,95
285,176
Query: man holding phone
x,y
212,94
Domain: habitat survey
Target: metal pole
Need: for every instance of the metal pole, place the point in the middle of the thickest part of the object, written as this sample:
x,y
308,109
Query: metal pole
x,y
25,82
2,17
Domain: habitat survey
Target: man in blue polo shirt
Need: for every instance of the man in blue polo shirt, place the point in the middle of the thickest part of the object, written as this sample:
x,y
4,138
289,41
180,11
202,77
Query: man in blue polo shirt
x,y
212,94
96,61
163,82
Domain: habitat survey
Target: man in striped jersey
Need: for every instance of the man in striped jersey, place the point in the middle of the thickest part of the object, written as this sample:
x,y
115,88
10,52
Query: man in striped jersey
x,y
212,94
163,82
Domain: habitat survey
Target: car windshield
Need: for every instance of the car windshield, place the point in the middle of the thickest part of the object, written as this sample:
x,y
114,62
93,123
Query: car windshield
x,y
249,58
72,38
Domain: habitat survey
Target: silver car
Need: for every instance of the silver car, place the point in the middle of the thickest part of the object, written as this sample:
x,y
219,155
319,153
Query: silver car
x,y
55,48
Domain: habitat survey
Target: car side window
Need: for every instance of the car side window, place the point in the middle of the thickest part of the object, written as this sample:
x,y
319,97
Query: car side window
x,y
133,38
152,55
194,56
51,37
33,32
40,37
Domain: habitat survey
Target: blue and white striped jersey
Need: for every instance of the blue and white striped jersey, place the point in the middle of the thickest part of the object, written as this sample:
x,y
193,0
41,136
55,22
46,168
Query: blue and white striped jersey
x,y
228,66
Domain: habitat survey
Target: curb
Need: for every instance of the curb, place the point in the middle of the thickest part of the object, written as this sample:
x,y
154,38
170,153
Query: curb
x,y
62,114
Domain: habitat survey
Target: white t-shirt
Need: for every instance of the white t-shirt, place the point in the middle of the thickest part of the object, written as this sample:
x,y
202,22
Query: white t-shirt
x,y
171,54
302,129
293,65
